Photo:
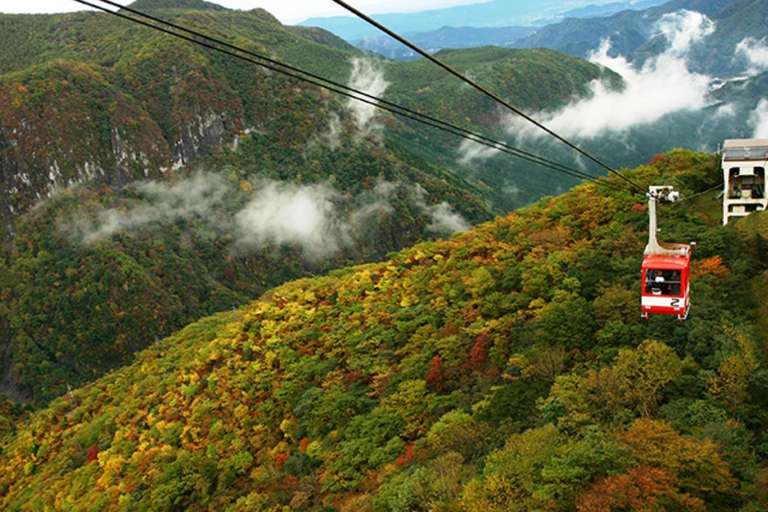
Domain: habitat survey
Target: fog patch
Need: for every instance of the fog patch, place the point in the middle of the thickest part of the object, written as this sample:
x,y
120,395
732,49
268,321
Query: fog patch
x,y
662,86
366,76
443,218
724,111
374,204
197,196
294,215
684,28
759,120
756,54
315,219
471,151
509,188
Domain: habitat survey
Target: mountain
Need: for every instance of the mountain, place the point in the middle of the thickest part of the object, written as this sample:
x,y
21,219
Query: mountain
x,y
733,24
634,34
136,171
627,30
504,369
532,80
90,275
452,37
198,5
446,37
495,13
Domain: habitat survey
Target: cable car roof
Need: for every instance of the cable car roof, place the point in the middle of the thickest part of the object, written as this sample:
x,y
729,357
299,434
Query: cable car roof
x,y
666,262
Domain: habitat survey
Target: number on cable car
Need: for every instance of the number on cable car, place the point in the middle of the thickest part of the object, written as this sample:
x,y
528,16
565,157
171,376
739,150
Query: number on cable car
x,y
666,267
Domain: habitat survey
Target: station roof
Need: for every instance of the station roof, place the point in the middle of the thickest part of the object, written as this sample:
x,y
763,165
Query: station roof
x,y
745,149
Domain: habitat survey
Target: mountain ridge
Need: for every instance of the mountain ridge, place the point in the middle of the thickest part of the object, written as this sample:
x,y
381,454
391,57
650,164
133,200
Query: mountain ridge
x,y
152,113
495,13
456,362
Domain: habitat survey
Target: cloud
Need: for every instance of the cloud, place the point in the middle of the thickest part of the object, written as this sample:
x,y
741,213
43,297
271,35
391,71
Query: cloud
x,y
374,204
662,86
684,28
315,219
294,215
759,120
443,218
367,77
197,196
471,151
756,54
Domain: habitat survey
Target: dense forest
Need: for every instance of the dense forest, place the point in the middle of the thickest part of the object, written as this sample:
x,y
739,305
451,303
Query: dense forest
x,y
505,368
88,97
95,273
129,159
223,289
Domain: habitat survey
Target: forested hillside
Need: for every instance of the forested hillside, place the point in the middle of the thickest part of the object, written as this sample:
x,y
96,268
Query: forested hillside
x,y
504,369
635,34
136,170
88,97
627,30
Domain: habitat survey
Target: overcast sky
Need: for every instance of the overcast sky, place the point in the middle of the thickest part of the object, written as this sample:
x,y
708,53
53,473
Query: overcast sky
x,y
287,11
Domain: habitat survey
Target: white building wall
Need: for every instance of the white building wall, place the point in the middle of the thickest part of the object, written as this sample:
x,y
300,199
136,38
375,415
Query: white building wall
x,y
744,166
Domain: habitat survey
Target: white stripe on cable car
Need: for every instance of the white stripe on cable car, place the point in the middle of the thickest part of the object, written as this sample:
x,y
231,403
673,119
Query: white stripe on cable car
x,y
666,302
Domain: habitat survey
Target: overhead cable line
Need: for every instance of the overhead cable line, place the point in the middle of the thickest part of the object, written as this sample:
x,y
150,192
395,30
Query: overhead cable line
x,y
688,198
338,88
482,89
403,111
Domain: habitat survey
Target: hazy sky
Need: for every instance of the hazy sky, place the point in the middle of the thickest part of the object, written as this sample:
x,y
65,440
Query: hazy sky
x,y
287,11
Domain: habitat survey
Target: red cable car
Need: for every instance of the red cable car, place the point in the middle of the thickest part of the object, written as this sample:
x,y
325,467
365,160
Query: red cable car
x,y
666,267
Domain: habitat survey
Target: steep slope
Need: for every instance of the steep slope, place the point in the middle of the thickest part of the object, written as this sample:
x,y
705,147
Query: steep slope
x,y
96,274
202,101
96,101
504,369
718,55
75,304
199,101
532,80
102,140
734,23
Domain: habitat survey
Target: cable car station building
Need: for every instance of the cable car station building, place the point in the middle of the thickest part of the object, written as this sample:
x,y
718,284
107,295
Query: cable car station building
x,y
744,163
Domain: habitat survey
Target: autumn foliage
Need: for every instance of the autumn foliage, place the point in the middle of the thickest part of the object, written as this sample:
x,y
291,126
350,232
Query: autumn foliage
x,y
504,369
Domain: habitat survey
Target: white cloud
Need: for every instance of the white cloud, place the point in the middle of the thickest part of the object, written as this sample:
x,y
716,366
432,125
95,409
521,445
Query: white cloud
x,y
725,110
756,54
289,214
662,86
683,28
313,218
443,218
374,204
197,196
759,120
368,77
471,151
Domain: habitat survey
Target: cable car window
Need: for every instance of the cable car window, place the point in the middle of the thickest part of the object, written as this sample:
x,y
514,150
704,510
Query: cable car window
x,y
662,282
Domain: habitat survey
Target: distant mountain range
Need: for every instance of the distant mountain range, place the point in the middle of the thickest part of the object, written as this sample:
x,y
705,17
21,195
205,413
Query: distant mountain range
x,y
446,37
493,14
632,29
635,31
92,106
